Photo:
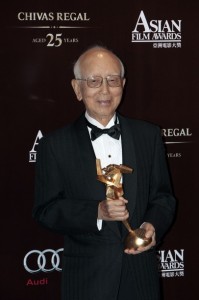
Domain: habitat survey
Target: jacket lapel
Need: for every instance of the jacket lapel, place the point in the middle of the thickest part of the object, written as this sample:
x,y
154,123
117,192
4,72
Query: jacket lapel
x,y
129,159
88,161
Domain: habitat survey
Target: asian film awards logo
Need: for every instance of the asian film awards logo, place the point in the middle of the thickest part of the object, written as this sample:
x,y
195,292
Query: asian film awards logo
x,y
33,151
162,33
171,263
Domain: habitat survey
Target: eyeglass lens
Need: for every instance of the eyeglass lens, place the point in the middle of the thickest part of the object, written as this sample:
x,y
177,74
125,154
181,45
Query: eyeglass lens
x,y
96,81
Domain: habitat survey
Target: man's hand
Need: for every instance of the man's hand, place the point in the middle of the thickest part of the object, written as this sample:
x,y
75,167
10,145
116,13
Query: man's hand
x,y
150,232
113,210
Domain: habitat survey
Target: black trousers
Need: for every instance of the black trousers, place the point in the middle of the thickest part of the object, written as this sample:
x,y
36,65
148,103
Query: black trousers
x,y
131,288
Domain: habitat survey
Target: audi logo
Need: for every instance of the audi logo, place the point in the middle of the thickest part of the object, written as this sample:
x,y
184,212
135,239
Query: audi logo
x,y
42,262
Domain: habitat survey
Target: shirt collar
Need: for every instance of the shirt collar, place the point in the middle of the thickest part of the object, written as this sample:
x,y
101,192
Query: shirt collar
x,y
96,123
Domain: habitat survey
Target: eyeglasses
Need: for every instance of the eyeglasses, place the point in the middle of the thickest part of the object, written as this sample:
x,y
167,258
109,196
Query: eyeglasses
x,y
96,81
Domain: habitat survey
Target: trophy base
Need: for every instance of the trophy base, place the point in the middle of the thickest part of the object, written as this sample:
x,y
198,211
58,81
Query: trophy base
x,y
136,238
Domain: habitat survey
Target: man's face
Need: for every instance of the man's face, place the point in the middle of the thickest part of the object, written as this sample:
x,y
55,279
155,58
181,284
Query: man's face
x,y
100,102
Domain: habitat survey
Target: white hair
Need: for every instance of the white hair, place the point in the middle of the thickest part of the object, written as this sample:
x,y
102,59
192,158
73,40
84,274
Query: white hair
x,y
77,64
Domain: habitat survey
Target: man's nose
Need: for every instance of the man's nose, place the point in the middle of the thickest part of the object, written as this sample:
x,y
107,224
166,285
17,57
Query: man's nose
x,y
105,86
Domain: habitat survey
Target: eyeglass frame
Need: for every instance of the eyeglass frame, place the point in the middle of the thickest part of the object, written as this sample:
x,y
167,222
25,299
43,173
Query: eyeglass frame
x,y
102,79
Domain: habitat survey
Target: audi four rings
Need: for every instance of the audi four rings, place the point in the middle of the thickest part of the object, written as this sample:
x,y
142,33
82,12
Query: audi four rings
x,y
42,261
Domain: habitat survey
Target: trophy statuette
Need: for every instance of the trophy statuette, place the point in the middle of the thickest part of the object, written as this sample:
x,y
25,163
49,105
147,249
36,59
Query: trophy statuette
x,y
111,176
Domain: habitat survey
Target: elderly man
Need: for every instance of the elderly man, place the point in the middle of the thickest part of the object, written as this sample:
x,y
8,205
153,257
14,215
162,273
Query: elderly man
x,y
71,201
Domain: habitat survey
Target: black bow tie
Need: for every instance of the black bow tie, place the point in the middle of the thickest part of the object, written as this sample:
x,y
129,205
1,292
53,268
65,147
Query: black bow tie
x,y
113,131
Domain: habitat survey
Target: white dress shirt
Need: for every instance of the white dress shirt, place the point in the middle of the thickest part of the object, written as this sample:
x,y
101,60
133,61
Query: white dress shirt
x,y
106,148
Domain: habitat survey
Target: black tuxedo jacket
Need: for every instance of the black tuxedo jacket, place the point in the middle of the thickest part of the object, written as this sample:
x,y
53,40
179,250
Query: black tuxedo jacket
x,y
67,198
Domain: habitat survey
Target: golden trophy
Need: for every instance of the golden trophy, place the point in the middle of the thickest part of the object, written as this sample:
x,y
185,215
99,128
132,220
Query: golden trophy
x,y
111,176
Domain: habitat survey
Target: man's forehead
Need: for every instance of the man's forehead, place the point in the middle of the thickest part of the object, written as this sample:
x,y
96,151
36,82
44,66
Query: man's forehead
x,y
97,54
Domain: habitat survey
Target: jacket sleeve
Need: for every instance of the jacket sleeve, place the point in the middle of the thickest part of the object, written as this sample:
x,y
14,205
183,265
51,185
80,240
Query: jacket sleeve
x,y
161,207
54,207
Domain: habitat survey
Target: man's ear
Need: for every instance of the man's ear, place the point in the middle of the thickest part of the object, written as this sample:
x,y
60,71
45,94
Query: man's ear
x,y
76,89
124,81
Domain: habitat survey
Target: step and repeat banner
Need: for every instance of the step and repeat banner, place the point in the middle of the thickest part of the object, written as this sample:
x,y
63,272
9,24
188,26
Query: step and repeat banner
x,y
158,43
